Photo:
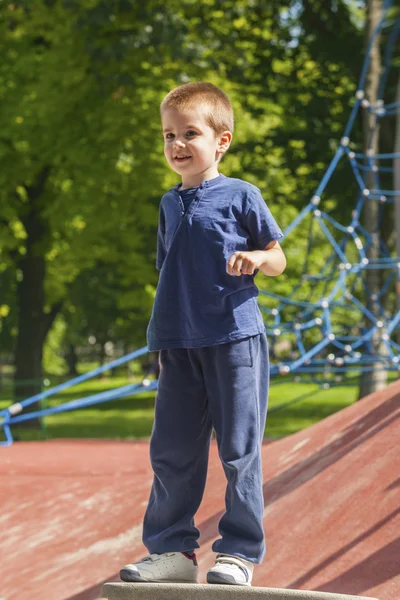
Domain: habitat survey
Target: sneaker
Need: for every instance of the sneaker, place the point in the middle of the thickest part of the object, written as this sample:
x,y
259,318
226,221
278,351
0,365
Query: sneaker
x,y
176,567
231,570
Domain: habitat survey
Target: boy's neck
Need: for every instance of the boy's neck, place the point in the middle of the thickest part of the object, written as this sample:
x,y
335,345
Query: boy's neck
x,y
196,180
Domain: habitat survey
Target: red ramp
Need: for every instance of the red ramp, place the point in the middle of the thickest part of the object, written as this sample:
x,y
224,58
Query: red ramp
x,y
72,510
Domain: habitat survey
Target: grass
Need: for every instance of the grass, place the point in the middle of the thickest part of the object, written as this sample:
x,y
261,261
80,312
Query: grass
x,y
132,417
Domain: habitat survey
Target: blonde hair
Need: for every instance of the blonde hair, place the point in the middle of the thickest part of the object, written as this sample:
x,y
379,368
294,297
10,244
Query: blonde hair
x,y
219,111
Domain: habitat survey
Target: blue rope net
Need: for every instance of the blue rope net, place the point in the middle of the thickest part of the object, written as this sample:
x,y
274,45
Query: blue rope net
x,y
324,326
333,322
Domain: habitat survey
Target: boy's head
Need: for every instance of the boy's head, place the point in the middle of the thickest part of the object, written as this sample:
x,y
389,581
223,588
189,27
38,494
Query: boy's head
x,y
197,120
218,111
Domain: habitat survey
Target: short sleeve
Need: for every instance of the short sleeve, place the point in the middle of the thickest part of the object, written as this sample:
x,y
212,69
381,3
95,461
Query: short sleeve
x,y
260,223
161,250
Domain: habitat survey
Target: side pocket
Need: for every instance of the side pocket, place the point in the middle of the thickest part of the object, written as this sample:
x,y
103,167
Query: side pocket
x,y
240,352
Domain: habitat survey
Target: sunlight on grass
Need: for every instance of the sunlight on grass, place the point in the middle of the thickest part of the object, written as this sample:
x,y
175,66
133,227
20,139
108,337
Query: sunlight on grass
x,y
299,406
296,415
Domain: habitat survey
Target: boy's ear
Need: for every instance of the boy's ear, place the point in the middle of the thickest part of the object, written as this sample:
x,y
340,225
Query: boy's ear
x,y
224,141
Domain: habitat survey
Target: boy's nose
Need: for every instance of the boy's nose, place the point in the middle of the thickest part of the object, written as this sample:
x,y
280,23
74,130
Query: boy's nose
x,y
179,144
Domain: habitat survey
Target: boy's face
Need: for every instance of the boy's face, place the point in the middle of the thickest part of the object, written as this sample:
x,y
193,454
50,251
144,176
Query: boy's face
x,y
191,146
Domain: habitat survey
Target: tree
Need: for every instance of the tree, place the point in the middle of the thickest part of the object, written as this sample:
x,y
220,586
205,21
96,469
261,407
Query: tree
x,y
396,186
375,138
77,149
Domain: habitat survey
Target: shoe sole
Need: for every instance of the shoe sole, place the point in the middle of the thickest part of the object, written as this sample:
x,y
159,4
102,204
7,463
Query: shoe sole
x,y
220,578
129,577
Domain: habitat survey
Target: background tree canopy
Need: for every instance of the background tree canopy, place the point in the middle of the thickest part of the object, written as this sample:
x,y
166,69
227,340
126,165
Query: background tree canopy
x,y
82,166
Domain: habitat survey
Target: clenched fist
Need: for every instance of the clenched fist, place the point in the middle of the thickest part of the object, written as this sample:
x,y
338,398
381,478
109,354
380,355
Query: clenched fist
x,y
245,263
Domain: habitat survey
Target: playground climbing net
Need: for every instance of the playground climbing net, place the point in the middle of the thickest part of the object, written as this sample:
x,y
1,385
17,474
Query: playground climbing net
x,y
343,315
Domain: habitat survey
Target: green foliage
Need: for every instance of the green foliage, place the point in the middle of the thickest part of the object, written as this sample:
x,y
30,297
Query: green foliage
x,y
80,86
81,115
53,361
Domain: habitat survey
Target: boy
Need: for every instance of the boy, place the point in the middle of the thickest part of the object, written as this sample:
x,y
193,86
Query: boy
x,y
214,234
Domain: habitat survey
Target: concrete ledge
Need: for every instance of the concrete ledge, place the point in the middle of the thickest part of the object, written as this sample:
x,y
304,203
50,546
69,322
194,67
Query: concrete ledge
x,y
190,591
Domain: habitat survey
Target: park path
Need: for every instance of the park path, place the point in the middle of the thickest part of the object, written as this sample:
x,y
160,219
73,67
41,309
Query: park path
x,y
71,510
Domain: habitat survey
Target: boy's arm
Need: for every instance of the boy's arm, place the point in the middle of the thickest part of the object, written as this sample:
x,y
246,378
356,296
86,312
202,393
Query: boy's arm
x,y
274,262
270,261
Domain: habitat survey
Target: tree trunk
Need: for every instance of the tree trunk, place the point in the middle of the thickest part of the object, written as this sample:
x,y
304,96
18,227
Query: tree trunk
x,y
33,322
396,187
31,333
71,359
102,354
376,378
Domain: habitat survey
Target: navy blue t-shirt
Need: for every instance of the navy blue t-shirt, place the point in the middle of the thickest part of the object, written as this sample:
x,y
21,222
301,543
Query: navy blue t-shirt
x,y
197,302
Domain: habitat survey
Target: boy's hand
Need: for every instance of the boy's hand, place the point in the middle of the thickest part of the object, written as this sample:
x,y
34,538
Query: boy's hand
x,y
245,263
270,261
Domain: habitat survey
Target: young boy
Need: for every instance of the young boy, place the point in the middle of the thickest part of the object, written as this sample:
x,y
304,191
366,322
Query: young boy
x,y
214,234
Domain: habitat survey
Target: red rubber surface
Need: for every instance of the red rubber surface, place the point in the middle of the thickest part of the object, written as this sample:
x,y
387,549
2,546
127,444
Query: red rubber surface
x,y
71,510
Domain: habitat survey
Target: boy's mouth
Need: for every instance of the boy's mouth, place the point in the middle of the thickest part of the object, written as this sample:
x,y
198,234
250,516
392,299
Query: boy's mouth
x,y
182,158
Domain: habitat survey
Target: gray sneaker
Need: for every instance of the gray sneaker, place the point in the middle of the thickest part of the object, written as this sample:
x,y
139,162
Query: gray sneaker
x,y
176,567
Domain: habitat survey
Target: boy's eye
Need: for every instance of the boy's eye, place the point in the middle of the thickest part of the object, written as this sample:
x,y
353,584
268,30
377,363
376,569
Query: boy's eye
x,y
191,133
169,136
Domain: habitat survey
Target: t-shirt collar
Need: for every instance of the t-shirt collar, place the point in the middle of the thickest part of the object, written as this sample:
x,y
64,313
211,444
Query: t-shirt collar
x,y
205,183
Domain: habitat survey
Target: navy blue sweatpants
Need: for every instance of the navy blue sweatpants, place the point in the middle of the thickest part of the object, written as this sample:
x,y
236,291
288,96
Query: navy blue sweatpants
x,y
224,387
